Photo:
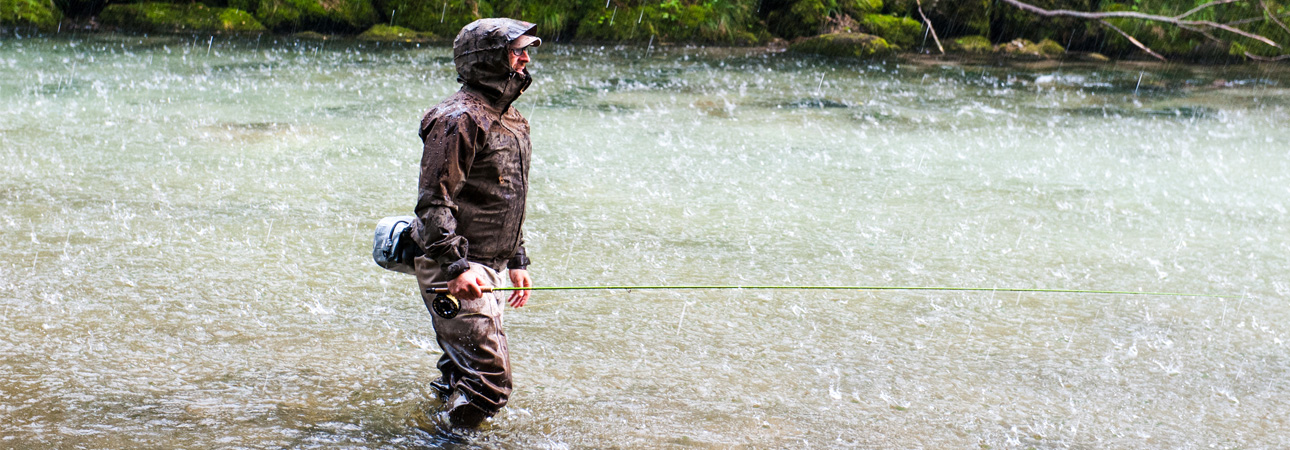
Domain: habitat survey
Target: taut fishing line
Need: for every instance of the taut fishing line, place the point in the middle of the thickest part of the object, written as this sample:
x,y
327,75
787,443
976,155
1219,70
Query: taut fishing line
x,y
447,306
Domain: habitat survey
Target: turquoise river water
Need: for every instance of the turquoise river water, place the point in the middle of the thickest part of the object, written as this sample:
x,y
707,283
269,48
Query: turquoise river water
x,y
185,231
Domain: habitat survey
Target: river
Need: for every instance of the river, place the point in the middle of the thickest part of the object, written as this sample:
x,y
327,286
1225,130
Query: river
x,y
185,232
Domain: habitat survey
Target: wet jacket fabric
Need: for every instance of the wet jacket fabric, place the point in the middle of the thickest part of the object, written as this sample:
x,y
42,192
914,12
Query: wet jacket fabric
x,y
474,168
470,208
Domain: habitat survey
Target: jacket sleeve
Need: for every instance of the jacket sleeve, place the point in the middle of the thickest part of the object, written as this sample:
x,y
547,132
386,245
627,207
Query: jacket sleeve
x,y
450,144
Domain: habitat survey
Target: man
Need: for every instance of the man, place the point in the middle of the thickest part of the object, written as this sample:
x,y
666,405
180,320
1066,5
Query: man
x,y
470,208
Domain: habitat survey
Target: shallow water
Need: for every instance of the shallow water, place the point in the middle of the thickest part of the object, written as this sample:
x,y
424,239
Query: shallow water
x,y
185,250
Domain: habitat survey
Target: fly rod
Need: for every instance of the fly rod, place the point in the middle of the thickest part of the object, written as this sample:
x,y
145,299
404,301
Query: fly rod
x,y
837,288
447,306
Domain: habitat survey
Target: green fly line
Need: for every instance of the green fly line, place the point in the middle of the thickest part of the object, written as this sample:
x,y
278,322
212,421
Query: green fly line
x,y
847,288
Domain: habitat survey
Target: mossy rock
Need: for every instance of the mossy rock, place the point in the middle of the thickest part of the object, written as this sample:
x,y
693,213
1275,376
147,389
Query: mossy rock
x,y
316,15
386,33
1024,49
857,45
971,44
311,36
166,17
860,8
29,13
1051,48
1089,57
899,31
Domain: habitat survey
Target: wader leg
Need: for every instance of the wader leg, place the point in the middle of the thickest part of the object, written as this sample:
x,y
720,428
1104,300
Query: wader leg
x,y
476,363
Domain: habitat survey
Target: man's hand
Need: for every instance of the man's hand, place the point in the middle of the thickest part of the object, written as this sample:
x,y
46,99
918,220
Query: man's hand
x,y
519,278
468,286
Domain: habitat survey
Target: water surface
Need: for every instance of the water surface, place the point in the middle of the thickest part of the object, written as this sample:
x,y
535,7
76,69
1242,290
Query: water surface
x,y
185,250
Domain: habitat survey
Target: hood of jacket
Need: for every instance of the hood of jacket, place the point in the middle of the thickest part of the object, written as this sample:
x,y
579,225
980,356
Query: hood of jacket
x,y
479,52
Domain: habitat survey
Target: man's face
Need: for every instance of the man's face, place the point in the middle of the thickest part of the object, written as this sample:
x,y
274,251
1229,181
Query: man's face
x,y
518,61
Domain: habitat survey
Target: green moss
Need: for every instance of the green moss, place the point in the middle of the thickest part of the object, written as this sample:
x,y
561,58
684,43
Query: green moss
x,y
857,45
859,8
899,31
165,17
796,18
441,19
29,13
310,36
386,33
318,15
1050,48
971,44
1020,49
709,21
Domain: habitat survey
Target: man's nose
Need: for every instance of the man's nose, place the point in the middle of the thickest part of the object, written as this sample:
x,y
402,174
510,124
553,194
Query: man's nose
x,y
524,56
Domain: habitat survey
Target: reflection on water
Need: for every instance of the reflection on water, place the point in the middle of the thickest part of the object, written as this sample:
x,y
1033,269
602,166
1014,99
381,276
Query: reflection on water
x,y
185,232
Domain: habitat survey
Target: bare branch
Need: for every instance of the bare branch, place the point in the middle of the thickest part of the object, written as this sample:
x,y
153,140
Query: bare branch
x,y
1131,39
1203,33
1230,30
1252,20
929,27
1273,16
1177,21
1267,59
1202,7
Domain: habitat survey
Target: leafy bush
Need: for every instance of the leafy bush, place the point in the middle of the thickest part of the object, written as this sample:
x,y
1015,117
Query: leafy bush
x,y
673,20
30,13
318,15
167,17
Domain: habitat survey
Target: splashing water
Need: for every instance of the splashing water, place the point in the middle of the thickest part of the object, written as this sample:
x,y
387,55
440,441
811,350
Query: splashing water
x,y
185,239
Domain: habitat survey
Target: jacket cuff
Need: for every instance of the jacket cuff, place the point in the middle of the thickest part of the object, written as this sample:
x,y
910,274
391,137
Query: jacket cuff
x,y
454,270
519,261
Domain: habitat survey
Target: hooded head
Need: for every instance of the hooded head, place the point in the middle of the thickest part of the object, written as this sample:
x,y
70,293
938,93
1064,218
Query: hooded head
x,y
479,51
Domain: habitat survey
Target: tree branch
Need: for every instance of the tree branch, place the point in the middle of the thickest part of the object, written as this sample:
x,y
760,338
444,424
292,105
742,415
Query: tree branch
x,y
1202,7
1177,21
1273,16
1131,39
929,26
1267,59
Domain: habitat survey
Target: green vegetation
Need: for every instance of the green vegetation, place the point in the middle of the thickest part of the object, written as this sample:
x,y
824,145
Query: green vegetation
x,y
29,13
965,26
318,15
1025,49
178,17
672,21
1174,41
970,44
899,31
439,19
386,33
856,45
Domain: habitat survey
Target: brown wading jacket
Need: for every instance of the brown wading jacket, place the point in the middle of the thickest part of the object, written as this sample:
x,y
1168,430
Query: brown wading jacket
x,y
474,169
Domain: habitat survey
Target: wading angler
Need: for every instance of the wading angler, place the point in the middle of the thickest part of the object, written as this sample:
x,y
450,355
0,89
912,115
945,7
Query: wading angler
x,y
470,213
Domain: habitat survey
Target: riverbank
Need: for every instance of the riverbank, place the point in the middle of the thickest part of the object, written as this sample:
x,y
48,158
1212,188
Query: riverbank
x,y
838,28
